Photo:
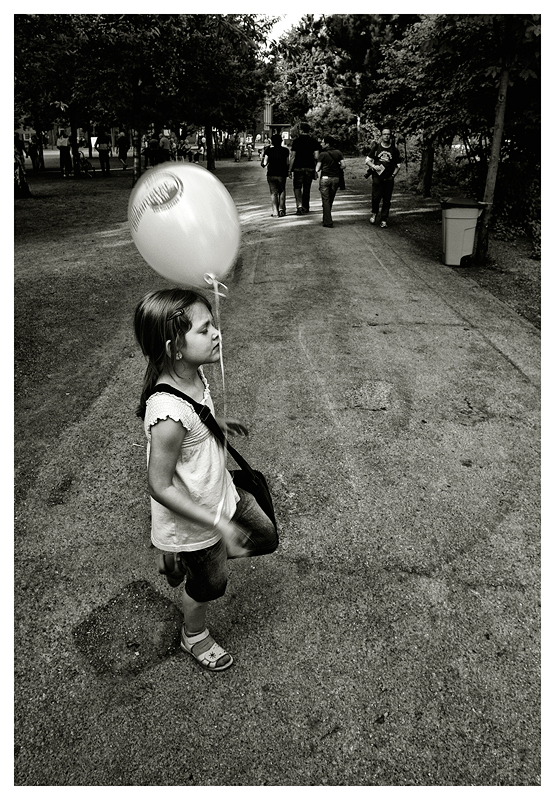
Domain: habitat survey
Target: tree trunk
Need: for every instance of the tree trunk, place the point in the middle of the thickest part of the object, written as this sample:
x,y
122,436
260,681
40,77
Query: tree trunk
x,y
211,161
426,168
493,166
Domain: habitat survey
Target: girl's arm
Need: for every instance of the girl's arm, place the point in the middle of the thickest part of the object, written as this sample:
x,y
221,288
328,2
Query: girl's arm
x,y
165,447
232,426
166,439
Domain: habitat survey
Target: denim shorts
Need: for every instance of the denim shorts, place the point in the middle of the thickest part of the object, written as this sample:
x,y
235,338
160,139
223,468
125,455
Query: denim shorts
x,y
207,570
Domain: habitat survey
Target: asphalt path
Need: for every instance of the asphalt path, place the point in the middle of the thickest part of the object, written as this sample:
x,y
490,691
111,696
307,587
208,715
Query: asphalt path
x,y
393,639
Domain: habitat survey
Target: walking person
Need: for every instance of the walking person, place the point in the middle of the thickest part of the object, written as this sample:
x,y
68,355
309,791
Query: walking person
x,y
237,149
122,145
304,156
384,162
66,164
103,145
200,519
329,169
276,159
153,150
21,187
34,153
164,148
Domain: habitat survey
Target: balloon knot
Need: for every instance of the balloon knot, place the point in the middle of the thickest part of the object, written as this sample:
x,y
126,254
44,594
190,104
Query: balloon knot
x,y
215,284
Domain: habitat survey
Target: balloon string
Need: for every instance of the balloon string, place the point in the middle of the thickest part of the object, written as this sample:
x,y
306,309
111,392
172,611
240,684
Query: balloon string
x,y
211,279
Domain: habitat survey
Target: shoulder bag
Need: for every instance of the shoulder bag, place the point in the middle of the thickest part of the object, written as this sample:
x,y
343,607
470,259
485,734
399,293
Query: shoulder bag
x,y
341,174
247,478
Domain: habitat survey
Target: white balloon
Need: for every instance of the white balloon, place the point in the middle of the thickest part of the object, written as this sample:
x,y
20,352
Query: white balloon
x,y
184,223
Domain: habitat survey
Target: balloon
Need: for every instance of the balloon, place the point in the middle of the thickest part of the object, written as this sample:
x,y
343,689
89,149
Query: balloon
x,y
184,223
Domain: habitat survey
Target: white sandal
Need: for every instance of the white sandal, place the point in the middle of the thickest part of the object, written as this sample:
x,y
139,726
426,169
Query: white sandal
x,y
209,656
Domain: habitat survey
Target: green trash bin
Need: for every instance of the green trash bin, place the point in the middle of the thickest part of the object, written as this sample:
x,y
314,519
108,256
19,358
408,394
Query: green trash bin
x,y
459,217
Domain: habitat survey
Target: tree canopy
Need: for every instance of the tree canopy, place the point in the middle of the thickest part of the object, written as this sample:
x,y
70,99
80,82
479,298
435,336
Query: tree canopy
x,y
180,67
432,74
433,77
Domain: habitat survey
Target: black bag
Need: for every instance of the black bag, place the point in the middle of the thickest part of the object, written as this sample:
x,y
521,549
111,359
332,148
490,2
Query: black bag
x,y
341,174
253,481
247,478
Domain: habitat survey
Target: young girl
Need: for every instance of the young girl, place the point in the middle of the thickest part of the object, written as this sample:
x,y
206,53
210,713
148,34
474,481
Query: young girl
x,y
199,518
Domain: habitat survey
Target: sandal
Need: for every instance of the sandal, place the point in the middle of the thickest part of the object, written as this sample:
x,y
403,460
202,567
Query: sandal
x,y
204,649
169,564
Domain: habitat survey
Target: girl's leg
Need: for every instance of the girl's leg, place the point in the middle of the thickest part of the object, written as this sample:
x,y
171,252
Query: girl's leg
x,y
194,614
206,579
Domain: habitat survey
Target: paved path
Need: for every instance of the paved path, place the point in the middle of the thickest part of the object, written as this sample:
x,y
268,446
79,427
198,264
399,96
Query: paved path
x,y
394,637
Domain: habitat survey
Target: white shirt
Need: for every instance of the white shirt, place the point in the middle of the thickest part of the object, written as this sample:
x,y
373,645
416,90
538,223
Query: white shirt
x,y
200,472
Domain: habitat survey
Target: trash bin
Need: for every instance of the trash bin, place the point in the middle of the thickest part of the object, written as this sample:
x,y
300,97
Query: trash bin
x,y
459,217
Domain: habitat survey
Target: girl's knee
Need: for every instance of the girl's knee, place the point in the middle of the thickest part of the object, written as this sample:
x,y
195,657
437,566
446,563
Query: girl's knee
x,y
211,590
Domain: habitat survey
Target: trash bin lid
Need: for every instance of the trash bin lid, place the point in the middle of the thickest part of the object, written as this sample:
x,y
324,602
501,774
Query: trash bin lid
x,y
459,202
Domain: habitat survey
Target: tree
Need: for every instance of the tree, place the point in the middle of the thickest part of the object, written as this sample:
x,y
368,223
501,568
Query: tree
x,y
223,58
134,69
332,62
447,74
45,47
517,38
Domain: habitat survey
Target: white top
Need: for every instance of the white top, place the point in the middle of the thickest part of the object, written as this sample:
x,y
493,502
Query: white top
x,y
200,472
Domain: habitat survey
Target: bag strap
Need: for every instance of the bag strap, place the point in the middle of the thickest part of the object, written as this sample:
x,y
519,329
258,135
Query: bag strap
x,y
207,417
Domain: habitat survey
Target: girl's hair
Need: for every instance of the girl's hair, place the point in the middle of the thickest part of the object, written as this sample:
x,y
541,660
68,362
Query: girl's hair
x,y
162,316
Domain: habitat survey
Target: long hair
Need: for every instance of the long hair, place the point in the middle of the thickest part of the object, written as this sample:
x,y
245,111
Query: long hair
x,y
162,316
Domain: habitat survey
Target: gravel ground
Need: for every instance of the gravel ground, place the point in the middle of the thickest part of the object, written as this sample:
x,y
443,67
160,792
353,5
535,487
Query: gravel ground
x,y
393,639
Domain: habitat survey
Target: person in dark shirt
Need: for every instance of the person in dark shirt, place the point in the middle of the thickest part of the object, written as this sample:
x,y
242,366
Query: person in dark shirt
x,y
104,146
304,155
276,159
329,170
383,162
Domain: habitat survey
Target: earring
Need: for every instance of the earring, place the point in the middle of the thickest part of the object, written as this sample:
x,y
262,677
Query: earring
x,y
178,355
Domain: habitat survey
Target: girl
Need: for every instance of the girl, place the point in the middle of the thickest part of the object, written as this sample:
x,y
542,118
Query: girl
x,y
276,158
199,518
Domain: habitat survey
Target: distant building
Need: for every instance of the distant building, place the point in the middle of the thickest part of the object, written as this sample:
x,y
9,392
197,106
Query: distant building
x,y
269,127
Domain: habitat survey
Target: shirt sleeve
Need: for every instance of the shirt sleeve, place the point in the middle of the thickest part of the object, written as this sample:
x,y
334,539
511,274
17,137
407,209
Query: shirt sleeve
x,y
161,406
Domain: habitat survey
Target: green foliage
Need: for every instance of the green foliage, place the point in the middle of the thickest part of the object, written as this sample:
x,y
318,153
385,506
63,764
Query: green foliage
x,y
336,120
441,78
331,60
520,212
169,67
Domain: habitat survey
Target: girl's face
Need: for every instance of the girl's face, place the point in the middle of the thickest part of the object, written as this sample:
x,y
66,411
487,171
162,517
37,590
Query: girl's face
x,y
202,340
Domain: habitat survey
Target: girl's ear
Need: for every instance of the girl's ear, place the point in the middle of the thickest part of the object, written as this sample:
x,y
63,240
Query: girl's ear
x,y
169,348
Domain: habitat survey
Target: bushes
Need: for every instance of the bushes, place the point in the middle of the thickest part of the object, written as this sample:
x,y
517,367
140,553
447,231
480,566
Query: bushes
x,y
517,204
517,207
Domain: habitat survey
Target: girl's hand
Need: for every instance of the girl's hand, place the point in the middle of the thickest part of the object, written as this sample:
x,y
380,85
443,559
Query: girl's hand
x,y
232,538
232,426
